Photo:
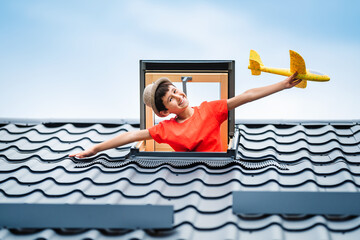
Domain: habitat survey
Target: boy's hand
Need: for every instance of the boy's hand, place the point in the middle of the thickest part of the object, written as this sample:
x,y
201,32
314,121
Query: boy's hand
x,y
87,153
291,81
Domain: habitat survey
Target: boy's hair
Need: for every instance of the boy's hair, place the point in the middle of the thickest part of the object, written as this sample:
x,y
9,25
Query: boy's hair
x,y
160,92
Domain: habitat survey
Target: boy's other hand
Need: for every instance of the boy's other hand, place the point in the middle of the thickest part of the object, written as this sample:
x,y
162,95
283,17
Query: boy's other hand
x,y
291,81
87,153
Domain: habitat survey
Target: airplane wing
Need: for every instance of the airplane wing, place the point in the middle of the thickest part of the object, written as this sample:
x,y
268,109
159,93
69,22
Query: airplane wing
x,y
297,64
302,84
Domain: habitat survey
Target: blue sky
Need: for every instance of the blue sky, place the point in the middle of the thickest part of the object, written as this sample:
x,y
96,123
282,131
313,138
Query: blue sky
x,y
80,59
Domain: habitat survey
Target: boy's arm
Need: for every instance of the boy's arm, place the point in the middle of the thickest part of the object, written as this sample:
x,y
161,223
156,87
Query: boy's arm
x,y
117,141
257,93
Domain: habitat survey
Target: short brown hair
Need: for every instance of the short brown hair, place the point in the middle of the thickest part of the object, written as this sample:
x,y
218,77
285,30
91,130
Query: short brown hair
x,y
160,92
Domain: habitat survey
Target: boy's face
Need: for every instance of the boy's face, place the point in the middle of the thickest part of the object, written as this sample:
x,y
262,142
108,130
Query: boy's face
x,y
175,100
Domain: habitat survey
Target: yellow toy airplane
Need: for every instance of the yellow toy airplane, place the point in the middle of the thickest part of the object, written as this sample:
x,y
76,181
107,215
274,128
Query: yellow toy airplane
x,y
297,64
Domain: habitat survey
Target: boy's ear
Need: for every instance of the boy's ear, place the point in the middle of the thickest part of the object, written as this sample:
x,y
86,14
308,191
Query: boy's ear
x,y
164,113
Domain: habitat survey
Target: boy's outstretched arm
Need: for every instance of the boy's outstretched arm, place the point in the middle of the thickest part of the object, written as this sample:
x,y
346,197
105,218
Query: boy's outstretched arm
x,y
117,141
257,93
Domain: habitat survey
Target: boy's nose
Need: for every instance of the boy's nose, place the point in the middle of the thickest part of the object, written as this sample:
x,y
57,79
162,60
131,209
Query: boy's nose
x,y
177,96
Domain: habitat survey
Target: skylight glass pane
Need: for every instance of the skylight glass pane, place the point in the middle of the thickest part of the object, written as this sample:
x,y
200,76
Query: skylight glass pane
x,y
200,91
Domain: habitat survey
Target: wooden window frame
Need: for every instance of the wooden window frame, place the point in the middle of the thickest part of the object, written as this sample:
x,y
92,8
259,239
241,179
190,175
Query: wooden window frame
x,y
200,70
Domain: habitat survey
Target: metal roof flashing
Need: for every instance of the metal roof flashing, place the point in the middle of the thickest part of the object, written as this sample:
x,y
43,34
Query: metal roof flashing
x,y
100,216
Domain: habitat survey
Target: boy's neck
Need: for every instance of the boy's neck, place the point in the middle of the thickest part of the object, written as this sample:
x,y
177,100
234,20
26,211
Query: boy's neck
x,y
186,114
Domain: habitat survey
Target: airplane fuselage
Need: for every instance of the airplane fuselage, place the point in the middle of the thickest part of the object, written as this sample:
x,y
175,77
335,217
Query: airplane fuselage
x,y
286,72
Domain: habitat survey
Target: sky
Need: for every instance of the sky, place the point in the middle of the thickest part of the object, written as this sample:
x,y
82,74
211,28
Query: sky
x,y
80,59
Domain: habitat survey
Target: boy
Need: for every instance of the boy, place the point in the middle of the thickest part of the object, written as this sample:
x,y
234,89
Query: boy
x,y
193,128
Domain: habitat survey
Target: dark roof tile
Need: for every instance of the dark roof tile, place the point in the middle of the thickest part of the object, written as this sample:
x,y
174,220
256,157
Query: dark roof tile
x,y
34,168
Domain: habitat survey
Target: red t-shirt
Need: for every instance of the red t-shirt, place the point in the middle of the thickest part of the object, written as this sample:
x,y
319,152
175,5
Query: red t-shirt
x,y
199,133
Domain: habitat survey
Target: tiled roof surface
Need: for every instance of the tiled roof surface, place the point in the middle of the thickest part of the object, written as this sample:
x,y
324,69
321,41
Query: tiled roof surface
x,y
34,168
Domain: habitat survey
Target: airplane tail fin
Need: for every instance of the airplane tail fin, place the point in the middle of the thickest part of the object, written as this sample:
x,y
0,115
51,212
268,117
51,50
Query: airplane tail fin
x,y
255,63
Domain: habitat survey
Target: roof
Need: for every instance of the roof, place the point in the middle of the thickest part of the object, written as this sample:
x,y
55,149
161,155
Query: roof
x,y
272,156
